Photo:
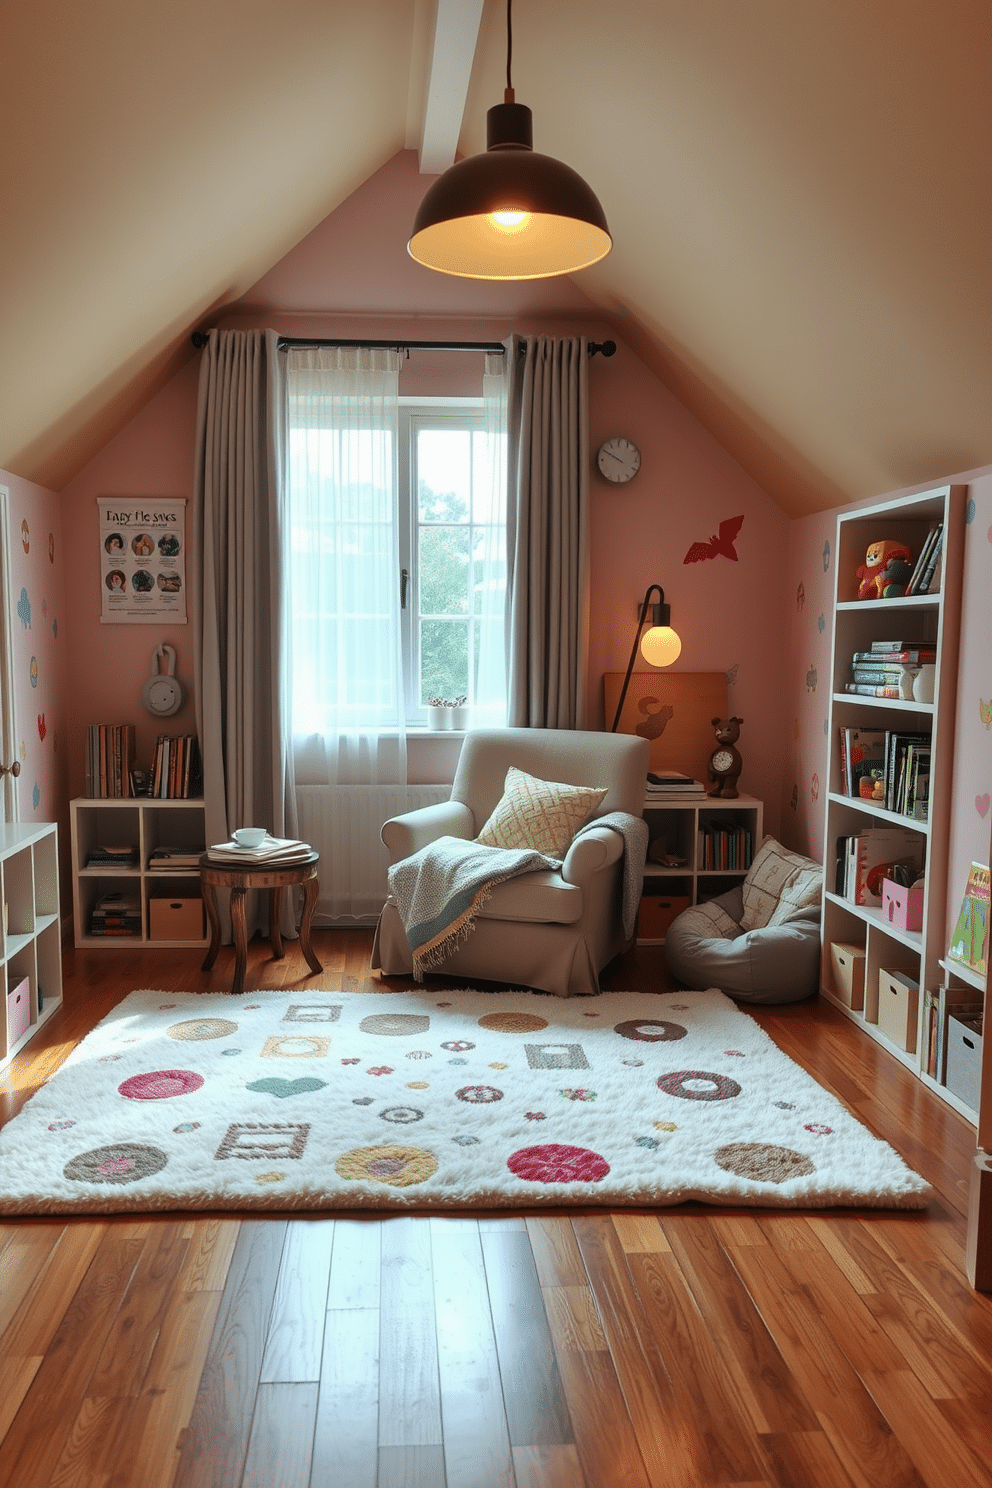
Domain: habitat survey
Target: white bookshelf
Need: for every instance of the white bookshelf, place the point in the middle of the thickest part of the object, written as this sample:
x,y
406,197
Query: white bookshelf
x,y
30,931
146,823
677,822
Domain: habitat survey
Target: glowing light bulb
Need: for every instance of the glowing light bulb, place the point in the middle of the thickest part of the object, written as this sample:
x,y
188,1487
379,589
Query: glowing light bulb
x,y
661,645
509,218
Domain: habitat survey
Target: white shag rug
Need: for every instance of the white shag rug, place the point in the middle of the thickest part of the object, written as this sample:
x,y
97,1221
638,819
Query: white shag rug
x,y
436,1099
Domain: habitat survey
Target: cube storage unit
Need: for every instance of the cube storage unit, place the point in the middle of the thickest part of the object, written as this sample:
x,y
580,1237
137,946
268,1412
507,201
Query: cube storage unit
x,y
145,823
903,937
30,931
681,824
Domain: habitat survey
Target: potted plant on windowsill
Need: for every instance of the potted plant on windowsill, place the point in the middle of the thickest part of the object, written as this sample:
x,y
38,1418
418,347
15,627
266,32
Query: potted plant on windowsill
x,y
446,713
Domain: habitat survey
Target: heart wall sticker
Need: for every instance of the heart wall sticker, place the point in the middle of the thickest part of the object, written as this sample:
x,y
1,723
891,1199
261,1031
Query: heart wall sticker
x,y
982,804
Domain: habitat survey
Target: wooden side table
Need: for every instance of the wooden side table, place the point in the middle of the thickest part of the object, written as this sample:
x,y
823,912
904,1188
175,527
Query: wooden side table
x,y
239,879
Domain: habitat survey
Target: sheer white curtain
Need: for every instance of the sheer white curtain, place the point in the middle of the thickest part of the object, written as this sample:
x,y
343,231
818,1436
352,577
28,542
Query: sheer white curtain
x,y
488,684
344,567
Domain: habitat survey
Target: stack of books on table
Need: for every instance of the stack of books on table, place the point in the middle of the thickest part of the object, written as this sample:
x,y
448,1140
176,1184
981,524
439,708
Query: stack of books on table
x,y
124,856
116,914
663,785
166,859
275,852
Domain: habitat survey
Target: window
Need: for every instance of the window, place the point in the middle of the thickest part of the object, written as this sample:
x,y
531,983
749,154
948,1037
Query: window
x,y
397,552
453,552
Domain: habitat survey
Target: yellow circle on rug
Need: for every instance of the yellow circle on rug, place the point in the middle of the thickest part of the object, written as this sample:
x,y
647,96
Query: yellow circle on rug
x,y
400,1167
513,1022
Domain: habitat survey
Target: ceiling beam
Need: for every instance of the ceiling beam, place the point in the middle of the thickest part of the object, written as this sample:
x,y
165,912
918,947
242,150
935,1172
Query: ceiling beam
x,y
456,31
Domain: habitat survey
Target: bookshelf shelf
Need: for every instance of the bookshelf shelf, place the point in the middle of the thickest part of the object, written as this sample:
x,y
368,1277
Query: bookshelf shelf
x,y
31,939
146,823
679,823
932,618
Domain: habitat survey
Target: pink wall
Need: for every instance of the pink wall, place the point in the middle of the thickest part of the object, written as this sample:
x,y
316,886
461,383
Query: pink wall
x,y
41,625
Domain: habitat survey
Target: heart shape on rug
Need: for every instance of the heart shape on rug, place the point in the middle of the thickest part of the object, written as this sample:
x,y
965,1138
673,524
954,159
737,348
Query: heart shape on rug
x,y
276,1086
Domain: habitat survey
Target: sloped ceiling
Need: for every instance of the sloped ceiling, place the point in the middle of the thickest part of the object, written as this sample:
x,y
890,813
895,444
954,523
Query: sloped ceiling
x,y
799,197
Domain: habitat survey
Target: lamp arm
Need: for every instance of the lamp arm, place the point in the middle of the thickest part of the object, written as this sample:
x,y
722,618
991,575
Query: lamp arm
x,y
633,650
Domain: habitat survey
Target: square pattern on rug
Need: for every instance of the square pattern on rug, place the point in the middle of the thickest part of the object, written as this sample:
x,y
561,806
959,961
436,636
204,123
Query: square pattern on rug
x,y
436,1099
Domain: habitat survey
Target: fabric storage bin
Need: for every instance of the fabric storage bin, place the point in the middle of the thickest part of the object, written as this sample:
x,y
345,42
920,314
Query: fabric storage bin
x,y
963,1076
18,1010
902,907
848,966
898,1003
175,919
656,913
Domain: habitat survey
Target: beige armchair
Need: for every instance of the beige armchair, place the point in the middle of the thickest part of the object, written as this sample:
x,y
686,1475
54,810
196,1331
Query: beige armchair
x,y
552,930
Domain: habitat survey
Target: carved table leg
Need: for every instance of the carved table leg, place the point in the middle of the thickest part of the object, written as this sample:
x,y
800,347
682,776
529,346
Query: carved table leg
x,y
240,938
275,930
309,901
210,900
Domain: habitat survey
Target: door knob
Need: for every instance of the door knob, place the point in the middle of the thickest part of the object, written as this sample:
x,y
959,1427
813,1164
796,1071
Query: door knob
x,y
14,769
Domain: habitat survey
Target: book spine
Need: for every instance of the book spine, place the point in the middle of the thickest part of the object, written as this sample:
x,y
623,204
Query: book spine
x,y
886,658
868,689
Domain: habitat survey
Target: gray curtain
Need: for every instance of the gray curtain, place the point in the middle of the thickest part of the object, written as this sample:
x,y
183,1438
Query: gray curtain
x,y
547,612
239,600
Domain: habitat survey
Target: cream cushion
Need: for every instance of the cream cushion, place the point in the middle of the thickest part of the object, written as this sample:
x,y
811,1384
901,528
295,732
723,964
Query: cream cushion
x,y
779,885
540,814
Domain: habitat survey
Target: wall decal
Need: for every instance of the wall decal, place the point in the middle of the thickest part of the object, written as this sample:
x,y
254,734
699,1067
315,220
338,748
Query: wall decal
x,y
800,596
821,623
51,547
36,796
826,555
985,712
970,510
811,678
42,727
982,804
24,609
732,674
25,536
794,799
814,787
720,545
795,728
33,671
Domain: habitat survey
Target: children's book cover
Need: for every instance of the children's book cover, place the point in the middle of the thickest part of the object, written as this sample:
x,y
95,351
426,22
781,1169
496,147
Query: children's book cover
x,y
969,940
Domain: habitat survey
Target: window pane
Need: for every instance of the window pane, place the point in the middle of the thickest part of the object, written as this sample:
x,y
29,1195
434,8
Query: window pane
x,y
444,467
443,659
444,570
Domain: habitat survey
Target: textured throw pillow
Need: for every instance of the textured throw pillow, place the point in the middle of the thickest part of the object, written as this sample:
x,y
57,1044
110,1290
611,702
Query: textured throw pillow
x,y
779,885
539,814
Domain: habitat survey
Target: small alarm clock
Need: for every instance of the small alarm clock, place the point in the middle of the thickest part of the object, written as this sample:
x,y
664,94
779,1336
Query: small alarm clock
x,y
162,694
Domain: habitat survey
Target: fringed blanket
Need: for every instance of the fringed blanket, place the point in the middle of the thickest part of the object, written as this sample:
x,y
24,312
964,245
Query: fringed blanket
x,y
440,889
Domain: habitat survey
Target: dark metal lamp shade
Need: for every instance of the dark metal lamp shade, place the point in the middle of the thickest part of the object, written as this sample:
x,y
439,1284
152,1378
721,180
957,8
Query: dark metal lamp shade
x,y
552,223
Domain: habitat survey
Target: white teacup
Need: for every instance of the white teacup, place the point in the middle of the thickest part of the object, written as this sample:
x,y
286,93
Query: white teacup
x,y
250,836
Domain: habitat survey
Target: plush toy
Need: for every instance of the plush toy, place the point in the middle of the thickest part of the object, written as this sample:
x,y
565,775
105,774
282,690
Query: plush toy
x,y
885,571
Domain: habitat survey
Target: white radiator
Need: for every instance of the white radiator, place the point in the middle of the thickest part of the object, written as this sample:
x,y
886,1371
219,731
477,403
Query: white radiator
x,y
342,823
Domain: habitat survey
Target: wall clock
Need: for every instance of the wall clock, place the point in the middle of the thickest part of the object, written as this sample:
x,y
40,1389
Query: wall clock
x,y
162,693
618,459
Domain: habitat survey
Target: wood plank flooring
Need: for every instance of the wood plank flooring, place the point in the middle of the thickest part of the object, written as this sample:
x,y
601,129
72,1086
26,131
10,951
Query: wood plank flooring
x,y
581,1349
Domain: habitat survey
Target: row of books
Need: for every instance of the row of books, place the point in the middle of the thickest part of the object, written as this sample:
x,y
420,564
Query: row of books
x,y
116,914
110,755
177,769
888,766
862,861
724,845
926,571
881,671
162,859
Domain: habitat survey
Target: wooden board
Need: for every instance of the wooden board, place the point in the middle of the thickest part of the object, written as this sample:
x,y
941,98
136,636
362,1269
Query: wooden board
x,y
673,710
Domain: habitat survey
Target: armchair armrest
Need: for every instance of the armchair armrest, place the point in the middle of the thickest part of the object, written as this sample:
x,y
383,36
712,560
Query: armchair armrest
x,y
404,835
593,849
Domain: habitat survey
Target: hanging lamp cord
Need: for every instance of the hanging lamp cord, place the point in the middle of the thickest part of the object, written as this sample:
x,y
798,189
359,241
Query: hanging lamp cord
x,y
508,95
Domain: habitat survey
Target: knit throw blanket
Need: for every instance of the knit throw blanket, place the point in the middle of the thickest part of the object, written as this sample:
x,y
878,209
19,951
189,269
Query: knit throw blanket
x,y
440,889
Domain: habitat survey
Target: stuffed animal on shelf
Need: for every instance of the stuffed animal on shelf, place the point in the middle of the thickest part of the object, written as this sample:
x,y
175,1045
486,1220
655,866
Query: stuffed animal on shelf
x,y
725,763
885,571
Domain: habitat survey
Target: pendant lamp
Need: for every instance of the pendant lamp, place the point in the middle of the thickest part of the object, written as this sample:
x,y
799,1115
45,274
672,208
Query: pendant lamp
x,y
510,213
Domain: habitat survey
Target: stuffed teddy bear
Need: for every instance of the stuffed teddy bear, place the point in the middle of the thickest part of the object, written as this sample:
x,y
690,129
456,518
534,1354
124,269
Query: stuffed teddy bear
x,y
885,571
725,763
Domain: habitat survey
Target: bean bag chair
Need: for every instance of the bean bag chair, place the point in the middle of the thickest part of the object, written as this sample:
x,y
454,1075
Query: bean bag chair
x,y
760,941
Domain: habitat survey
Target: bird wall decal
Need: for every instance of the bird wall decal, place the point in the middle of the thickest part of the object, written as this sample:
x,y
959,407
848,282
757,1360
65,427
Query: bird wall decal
x,y
722,544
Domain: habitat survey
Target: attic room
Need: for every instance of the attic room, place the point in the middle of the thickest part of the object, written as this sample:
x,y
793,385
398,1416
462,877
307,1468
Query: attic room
x,y
798,294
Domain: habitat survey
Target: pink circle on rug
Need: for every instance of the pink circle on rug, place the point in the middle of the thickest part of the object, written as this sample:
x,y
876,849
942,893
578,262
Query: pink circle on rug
x,y
557,1163
161,1084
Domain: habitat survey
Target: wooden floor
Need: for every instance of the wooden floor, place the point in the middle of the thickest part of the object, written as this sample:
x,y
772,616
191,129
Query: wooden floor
x,y
580,1349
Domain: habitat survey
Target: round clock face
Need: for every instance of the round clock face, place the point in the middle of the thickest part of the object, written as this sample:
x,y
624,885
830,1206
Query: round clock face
x,y
618,459
722,761
163,696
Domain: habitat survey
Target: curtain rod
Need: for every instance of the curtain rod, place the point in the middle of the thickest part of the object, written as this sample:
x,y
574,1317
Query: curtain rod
x,y
608,348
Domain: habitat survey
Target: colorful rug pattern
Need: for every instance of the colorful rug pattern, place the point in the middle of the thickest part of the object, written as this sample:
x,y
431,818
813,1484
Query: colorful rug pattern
x,y
436,1099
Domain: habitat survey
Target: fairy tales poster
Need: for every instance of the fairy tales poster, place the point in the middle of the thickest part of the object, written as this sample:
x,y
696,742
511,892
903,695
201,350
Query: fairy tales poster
x,y
142,560
673,710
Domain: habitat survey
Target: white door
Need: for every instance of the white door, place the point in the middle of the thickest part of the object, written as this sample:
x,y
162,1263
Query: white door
x,y
10,765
